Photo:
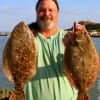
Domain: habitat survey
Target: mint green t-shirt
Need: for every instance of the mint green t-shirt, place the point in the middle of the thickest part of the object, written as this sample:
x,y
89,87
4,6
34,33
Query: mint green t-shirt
x,y
50,82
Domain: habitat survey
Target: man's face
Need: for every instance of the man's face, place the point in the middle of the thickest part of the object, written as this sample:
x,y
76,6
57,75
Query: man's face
x,y
47,14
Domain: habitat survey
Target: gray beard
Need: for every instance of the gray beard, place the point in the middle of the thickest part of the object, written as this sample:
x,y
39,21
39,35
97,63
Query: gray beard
x,y
43,25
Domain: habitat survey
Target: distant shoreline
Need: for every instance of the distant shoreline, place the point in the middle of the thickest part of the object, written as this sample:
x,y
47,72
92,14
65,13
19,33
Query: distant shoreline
x,y
8,34
4,33
95,35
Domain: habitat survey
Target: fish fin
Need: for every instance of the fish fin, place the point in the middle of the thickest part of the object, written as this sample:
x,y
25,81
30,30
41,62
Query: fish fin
x,y
83,96
68,74
70,77
14,95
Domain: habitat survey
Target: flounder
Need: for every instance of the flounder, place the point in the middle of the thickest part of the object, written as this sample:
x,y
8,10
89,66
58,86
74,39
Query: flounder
x,y
81,63
19,59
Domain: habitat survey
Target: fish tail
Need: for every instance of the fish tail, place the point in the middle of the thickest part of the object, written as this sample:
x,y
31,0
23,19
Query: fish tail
x,y
15,95
83,96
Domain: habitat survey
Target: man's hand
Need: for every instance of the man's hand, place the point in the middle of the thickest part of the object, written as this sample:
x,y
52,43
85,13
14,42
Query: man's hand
x,y
76,28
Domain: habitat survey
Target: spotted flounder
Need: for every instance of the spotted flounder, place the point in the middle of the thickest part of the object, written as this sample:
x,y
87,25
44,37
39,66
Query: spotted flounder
x,y
19,59
81,63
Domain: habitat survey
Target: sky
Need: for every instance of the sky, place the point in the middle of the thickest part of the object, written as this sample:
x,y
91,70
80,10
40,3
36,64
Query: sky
x,y
14,11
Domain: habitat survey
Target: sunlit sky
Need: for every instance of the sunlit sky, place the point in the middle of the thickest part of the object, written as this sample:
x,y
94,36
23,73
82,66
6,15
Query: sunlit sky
x,y
14,11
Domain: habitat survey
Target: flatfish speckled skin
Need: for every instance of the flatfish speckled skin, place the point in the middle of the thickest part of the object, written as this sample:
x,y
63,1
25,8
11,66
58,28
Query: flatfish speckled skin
x,y
81,63
19,59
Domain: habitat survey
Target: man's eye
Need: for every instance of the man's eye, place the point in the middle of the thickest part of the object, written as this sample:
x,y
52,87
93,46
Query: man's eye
x,y
41,10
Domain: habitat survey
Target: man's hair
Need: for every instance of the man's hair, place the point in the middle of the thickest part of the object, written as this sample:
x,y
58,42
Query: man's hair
x,y
55,1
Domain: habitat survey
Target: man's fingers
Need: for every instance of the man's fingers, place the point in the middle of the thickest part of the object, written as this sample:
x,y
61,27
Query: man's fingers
x,y
78,27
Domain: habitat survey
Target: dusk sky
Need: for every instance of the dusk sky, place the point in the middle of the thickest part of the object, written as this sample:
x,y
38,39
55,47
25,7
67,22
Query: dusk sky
x,y
14,11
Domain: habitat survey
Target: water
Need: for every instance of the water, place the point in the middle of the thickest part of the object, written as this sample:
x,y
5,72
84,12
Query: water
x,y
94,92
3,79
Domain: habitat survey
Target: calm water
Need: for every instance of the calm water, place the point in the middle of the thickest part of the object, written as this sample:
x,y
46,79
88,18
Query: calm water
x,y
94,92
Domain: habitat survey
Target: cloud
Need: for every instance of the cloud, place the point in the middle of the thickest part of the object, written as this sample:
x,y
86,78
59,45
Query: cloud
x,y
72,11
68,16
10,16
13,10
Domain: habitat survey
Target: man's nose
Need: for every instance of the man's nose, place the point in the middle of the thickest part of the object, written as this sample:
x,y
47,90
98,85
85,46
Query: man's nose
x,y
47,12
